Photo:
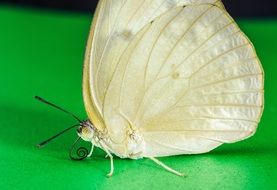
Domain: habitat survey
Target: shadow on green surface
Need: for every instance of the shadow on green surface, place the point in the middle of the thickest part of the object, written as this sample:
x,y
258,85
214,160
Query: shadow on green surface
x,y
27,127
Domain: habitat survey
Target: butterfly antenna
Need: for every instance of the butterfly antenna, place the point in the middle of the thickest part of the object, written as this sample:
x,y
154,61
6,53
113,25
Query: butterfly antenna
x,y
42,144
57,107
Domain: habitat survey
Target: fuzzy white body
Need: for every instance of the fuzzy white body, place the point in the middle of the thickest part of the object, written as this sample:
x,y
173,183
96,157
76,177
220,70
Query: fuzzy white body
x,y
132,147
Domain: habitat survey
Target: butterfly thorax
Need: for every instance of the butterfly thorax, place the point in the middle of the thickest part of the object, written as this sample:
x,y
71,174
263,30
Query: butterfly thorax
x,y
131,147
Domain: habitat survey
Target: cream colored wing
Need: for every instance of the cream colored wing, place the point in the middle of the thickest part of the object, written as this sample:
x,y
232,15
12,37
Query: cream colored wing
x,y
116,23
188,82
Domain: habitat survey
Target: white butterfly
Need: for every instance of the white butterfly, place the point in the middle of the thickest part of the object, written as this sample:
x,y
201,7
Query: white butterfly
x,y
168,77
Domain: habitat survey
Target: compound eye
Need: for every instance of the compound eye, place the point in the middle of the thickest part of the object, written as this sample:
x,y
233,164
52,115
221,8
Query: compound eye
x,y
79,130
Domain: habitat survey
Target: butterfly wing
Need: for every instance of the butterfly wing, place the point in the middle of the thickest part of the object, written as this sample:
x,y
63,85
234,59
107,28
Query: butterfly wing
x,y
115,23
188,80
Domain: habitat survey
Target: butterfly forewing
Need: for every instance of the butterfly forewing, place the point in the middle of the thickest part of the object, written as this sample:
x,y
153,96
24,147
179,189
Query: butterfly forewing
x,y
185,77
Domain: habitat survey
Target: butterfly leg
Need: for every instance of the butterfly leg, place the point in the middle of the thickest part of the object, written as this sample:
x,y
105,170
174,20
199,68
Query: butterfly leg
x,y
91,151
112,166
111,159
166,167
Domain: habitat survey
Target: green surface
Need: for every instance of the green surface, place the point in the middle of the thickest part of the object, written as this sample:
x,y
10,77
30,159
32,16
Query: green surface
x,y
41,53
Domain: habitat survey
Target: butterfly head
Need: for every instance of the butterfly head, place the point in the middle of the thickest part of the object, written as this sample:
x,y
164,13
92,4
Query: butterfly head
x,y
86,130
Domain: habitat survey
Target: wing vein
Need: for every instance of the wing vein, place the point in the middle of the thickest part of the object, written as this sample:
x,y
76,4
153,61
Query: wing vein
x,y
241,92
229,67
203,117
225,80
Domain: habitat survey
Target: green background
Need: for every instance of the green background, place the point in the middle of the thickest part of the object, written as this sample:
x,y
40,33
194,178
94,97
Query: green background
x,y
41,53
